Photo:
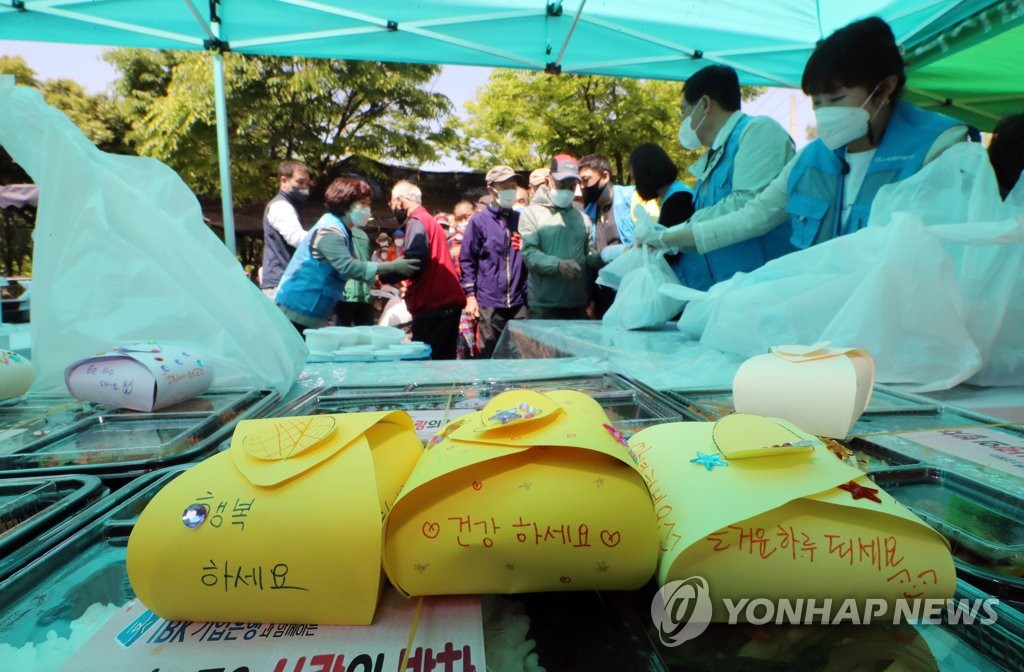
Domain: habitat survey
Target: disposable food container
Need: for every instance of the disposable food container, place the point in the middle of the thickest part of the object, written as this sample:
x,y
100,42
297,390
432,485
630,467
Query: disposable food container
x,y
118,445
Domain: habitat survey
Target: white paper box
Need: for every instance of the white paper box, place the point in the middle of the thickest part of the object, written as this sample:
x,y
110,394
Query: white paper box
x,y
822,390
141,376
16,374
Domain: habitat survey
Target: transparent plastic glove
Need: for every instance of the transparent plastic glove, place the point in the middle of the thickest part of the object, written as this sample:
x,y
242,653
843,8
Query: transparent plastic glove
x,y
612,252
647,231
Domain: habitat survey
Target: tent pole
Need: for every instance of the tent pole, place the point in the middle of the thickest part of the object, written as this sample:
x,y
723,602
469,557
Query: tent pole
x,y
220,103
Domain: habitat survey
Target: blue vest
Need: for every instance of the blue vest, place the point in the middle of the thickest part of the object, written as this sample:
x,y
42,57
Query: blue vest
x,y
312,286
276,252
622,198
700,271
815,186
675,188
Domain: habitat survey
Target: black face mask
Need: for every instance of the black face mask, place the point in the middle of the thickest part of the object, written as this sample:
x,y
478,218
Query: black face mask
x,y
297,196
593,193
400,215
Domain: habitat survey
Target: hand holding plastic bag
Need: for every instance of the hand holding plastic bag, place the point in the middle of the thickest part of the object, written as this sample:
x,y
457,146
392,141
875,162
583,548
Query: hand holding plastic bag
x,y
612,252
932,287
639,304
612,273
647,231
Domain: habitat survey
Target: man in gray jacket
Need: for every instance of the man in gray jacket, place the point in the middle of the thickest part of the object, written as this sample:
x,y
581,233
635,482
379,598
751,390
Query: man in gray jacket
x,y
556,246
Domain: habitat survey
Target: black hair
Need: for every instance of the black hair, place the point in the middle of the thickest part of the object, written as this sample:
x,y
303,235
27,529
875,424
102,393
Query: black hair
x,y
652,169
473,195
862,53
1006,152
597,163
718,82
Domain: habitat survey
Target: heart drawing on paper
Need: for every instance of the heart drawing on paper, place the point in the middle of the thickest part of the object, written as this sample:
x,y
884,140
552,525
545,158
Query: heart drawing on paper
x,y
610,539
431,530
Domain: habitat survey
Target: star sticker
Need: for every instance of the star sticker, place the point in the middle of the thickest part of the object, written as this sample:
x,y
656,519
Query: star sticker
x,y
861,491
526,486
601,566
505,416
599,482
710,461
420,567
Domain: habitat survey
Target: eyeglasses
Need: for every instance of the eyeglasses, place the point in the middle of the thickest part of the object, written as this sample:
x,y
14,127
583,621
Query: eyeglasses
x,y
687,109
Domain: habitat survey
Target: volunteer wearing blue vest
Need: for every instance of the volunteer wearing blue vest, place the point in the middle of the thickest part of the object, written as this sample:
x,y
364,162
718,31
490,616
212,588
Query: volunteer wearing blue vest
x,y
608,206
282,225
867,138
744,155
655,175
314,280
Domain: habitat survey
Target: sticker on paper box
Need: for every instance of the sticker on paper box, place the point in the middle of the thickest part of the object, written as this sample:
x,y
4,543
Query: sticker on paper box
x,y
141,376
16,374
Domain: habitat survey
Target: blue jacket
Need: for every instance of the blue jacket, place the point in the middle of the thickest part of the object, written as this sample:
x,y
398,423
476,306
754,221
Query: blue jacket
x,y
622,200
815,185
312,286
700,271
491,269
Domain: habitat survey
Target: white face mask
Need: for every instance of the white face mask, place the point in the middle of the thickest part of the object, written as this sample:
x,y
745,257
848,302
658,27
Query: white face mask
x,y
358,216
506,198
688,134
839,126
562,198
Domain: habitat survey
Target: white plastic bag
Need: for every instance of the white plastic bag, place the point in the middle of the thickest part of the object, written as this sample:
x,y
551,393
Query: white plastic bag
x,y
931,289
612,273
122,254
638,303
987,256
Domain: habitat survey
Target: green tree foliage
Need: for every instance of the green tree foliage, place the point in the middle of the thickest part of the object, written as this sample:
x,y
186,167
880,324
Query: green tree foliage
x,y
97,118
315,110
522,118
94,114
16,65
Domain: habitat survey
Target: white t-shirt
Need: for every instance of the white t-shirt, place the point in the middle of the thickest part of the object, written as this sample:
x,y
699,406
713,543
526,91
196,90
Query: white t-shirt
x,y
854,178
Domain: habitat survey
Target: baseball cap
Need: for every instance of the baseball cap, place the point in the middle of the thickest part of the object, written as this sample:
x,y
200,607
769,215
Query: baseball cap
x,y
564,167
500,174
399,233
383,239
538,176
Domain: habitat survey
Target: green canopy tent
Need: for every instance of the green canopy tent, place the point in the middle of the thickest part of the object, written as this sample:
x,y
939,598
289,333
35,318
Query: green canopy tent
x,y
975,70
767,43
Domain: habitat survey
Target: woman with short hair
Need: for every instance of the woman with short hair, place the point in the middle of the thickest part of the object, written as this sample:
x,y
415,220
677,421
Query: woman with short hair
x,y
325,260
